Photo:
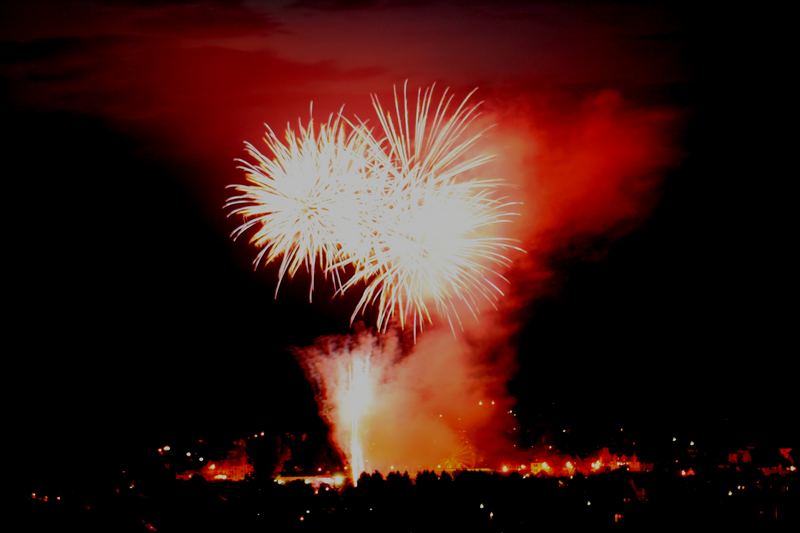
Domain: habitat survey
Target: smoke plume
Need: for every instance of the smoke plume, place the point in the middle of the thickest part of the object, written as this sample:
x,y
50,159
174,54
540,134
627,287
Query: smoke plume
x,y
583,171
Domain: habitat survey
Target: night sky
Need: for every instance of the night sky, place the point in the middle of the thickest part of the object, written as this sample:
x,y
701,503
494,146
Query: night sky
x,y
132,318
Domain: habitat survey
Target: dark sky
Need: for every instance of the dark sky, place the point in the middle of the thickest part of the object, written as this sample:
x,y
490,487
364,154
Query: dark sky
x,y
132,317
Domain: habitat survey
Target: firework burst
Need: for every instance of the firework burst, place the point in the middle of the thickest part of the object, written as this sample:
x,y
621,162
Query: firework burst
x,y
437,245
303,200
395,211
347,373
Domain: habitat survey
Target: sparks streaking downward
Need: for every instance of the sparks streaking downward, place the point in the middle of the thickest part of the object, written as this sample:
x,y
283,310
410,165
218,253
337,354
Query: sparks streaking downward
x,y
397,211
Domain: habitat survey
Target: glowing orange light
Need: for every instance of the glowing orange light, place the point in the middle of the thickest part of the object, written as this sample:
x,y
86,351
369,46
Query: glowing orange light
x,y
234,467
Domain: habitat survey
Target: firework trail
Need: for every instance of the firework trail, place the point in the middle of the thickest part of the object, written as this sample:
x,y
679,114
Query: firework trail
x,y
347,373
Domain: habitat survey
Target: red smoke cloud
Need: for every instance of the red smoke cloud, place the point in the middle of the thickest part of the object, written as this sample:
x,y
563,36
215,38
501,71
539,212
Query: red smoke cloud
x,y
587,171
199,79
437,404
583,169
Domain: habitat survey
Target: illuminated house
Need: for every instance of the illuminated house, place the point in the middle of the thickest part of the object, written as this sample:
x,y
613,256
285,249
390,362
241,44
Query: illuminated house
x,y
235,467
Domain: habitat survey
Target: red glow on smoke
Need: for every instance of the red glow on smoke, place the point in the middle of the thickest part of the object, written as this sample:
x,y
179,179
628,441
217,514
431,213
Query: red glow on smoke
x,y
429,408
200,78
194,81
584,168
